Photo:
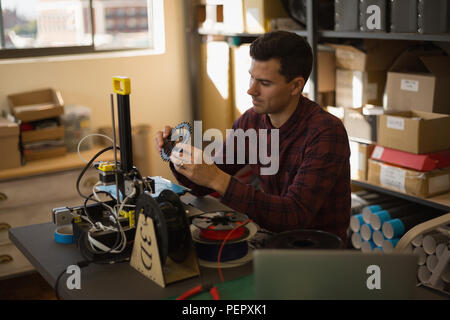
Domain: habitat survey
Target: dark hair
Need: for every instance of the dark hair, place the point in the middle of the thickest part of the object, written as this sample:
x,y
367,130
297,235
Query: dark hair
x,y
294,53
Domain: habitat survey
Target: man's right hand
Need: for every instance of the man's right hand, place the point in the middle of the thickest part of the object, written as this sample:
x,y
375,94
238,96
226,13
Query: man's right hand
x,y
160,136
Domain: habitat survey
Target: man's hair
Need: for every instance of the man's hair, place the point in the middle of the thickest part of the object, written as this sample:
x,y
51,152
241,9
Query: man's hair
x,y
293,52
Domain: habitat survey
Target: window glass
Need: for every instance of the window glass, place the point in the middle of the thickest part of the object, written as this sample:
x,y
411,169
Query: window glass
x,y
122,24
46,24
48,27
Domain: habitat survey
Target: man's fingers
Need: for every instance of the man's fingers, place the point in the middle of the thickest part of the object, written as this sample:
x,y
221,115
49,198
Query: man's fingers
x,y
159,141
178,162
167,131
160,136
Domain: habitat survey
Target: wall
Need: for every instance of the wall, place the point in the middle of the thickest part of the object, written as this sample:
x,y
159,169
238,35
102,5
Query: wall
x,y
159,87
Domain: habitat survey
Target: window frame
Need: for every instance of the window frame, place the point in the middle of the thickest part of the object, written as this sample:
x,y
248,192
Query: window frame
x,y
156,27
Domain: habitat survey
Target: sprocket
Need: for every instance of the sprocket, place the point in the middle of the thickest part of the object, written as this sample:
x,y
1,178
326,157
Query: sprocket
x,y
183,132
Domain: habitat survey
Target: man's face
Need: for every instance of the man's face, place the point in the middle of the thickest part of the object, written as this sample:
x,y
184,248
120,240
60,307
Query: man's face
x,y
270,92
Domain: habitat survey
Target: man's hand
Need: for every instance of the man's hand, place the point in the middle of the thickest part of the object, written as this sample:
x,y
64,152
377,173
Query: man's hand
x,y
160,136
189,162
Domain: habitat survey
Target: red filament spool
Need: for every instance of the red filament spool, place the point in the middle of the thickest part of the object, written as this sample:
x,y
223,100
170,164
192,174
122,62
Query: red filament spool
x,y
211,234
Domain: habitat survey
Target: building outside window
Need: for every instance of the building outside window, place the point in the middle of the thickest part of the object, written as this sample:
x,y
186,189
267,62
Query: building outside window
x,y
49,27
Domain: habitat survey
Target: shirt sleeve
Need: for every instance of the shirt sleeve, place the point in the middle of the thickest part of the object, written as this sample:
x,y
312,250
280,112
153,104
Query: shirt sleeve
x,y
325,156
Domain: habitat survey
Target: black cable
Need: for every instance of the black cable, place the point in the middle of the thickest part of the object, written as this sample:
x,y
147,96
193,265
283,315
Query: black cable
x,y
89,197
115,218
88,165
57,284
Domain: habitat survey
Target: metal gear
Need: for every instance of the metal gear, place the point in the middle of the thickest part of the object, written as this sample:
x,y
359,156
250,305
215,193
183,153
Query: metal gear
x,y
183,132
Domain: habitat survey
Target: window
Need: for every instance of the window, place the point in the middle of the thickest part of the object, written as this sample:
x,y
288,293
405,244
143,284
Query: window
x,y
30,28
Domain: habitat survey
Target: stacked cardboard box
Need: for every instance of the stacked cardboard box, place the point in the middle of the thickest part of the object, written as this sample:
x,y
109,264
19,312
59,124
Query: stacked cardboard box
x,y
361,126
361,72
210,17
413,153
39,113
326,69
418,80
243,16
9,144
360,81
259,15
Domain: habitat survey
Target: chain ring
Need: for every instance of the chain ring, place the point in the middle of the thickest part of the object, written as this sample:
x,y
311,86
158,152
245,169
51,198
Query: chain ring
x,y
169,145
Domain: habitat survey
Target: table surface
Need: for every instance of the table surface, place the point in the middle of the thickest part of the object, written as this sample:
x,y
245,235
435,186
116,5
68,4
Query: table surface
x,y
117,281
121,281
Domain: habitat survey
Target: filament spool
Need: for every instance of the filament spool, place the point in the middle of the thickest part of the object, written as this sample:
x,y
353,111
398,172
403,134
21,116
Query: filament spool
x,y
171,226
211,229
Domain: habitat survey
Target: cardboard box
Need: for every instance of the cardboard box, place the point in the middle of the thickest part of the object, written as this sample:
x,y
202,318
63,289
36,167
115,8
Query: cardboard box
x,y
9,144
354,89
419,82
359,157
419,162
31,155
325,99
416,183
43,134
210,16
36,105
376,55
233,15
326,69
414,131
360,127
259,13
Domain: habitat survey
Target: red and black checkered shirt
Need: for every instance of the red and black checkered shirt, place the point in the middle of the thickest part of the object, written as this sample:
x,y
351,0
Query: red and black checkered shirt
x,y
311,189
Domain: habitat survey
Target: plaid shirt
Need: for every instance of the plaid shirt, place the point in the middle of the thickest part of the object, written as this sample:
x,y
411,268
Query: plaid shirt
x,y
312,187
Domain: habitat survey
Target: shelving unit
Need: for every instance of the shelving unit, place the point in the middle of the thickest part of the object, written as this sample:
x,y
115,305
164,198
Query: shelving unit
x,y
384,36
313,35
440,202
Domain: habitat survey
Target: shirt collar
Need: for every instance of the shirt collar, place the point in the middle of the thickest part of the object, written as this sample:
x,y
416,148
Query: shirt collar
x,y
293,120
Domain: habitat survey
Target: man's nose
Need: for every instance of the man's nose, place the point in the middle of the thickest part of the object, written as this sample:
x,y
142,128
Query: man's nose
x,y
253,90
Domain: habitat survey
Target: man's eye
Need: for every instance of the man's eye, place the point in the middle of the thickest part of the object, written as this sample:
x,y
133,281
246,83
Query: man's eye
x,y
265,84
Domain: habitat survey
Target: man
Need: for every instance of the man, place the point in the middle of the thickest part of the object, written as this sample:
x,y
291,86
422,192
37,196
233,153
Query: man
x,y
311,189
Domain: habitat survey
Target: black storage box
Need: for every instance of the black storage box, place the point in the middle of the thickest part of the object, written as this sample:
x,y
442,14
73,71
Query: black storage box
x,y
432,16
403,16
373,15
346,15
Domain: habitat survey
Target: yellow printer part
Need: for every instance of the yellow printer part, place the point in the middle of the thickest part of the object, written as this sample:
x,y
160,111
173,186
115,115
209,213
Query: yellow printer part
x,y
122,85
107,166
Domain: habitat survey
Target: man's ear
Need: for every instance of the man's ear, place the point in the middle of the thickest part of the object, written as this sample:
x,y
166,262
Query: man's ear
x,y
297,85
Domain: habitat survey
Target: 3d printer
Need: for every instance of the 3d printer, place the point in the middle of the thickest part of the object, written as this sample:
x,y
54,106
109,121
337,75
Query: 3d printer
x,y
104,231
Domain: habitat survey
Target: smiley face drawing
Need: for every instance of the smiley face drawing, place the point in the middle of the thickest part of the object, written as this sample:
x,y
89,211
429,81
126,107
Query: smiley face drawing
x,y
146,244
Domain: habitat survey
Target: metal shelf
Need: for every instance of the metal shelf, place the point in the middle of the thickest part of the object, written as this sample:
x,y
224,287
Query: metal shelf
x,y
385,35
426,202
302,33
313,34
347,35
